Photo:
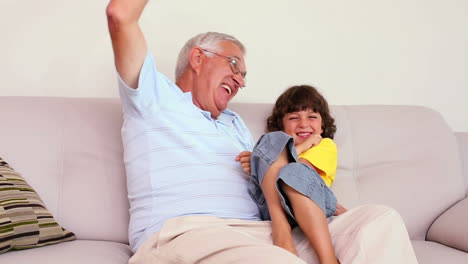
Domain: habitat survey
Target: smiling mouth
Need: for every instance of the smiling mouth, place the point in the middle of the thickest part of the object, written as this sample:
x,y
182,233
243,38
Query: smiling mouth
x,y
304,134
225,86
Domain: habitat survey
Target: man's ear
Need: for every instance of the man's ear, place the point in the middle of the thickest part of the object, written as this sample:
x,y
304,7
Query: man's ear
x,y
196,59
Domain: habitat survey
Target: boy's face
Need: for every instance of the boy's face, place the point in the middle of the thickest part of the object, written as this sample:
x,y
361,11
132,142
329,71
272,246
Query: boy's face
x,y
300,125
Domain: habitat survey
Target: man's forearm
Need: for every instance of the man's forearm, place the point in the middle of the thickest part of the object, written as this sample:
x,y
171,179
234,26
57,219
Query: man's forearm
x,y
128,42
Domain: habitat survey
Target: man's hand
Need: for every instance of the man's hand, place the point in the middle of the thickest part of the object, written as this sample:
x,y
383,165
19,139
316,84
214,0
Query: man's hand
x,y
244,159
339,209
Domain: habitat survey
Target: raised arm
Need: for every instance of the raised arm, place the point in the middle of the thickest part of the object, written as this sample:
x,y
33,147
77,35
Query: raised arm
x,y
127,38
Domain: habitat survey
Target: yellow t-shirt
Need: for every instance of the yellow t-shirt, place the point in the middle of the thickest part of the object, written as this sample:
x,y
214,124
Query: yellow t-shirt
x,y
324,157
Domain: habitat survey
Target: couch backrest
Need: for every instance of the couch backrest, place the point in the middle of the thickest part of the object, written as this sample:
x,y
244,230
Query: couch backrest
x,y
405,157
70,150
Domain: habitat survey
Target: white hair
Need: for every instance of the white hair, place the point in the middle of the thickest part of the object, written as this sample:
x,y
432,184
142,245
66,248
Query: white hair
x,y
209,41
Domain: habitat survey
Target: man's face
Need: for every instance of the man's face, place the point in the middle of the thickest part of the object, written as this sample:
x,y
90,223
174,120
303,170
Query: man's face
x,y
217,81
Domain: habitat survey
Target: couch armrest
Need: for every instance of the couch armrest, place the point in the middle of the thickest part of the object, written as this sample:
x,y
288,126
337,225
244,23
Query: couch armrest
x,y
451,228
462,139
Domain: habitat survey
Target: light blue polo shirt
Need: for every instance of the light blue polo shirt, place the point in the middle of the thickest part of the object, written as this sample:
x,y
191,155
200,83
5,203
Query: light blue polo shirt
x,y
179,161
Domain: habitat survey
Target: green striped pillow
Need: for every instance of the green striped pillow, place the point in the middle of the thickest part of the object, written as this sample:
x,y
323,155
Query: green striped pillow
x,y
25,222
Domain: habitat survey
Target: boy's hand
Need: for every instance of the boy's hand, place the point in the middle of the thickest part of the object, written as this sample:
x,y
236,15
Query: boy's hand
x,y
339,209
311,141
244,159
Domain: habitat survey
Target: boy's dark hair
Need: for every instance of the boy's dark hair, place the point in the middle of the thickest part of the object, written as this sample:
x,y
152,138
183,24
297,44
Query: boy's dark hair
x,y
300,98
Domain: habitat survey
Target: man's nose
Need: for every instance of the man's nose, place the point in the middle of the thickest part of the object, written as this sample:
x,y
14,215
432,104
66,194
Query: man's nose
x,y
240,81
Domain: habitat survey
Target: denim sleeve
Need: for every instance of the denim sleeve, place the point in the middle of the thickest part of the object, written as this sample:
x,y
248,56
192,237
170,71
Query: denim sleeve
x,y
265,152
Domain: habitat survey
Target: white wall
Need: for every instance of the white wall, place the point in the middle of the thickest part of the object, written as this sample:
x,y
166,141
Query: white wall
x,y
355,52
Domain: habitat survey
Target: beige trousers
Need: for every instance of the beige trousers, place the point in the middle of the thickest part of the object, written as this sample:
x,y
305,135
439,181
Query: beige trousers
x,y
367,234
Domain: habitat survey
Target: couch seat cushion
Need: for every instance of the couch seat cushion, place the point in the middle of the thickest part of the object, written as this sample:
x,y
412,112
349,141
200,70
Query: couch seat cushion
x,y
435,253
74,252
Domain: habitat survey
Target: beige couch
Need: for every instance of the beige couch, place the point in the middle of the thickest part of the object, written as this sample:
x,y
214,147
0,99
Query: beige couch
x,y
69,149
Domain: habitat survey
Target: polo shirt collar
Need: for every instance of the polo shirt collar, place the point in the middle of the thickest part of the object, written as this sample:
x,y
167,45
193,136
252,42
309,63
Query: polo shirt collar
x,y
226,117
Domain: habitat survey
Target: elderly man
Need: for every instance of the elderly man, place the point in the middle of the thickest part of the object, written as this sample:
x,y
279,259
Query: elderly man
x,y
188,193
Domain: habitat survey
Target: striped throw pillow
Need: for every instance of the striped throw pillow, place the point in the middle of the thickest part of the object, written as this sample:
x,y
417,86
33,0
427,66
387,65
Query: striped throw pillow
x,y
25,222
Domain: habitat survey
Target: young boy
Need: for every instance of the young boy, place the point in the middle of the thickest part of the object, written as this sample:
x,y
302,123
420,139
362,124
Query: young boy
x,y
292,189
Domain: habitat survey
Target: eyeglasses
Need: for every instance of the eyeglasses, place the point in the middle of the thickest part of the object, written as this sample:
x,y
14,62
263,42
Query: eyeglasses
x,y
233,62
